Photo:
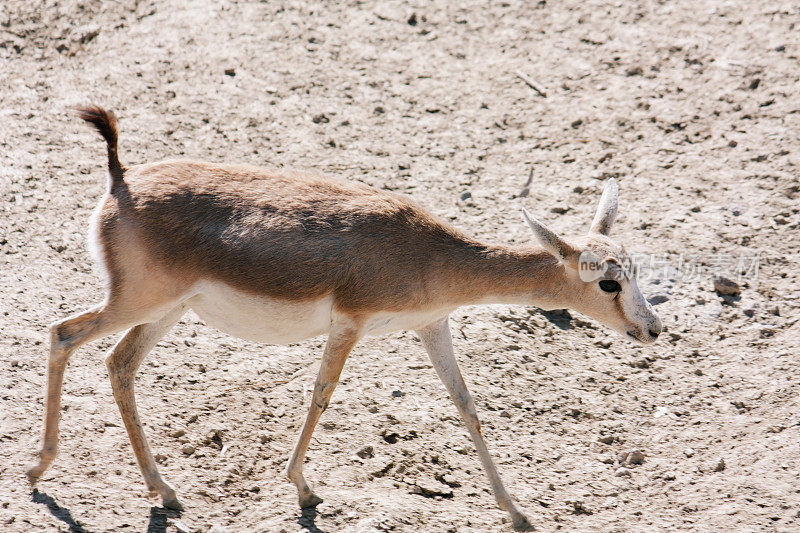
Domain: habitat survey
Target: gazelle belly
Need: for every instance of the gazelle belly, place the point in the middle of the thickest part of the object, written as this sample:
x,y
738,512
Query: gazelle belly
x,y
260,318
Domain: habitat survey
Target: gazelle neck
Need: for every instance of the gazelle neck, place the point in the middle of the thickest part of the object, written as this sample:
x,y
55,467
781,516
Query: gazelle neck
x,y
515,275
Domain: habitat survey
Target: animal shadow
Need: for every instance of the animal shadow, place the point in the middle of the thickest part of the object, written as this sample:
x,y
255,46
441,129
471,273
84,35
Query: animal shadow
x,y
158,519
62,513
559,318
306,520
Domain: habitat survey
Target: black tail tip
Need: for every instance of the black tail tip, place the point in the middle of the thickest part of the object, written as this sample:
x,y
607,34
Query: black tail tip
x,y
104,121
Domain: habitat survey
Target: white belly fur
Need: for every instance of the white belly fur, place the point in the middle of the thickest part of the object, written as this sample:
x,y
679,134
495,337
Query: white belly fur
x,y
261,318
276,321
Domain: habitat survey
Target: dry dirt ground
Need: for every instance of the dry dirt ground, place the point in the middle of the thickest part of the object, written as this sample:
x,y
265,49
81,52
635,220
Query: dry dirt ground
x,y
693,106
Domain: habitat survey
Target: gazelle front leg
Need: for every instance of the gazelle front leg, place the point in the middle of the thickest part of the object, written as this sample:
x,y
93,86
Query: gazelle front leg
x,y
340,341
439,345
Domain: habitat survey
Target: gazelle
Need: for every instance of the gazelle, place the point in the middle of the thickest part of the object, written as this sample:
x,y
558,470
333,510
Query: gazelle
x,y
277,257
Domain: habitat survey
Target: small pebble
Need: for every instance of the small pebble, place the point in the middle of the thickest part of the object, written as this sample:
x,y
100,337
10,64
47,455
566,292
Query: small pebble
x,y
688,452
579,508
720,466
622,472
188,449
636,457
367,452
726,286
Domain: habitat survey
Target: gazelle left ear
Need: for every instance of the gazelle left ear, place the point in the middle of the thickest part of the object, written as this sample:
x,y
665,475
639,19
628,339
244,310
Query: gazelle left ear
x,y
606,210
552,242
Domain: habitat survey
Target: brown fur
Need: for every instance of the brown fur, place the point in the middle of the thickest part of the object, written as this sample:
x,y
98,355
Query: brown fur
x,y
299,236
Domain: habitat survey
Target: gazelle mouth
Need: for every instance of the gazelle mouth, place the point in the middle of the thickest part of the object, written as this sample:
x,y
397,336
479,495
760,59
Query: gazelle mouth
x,y
631,335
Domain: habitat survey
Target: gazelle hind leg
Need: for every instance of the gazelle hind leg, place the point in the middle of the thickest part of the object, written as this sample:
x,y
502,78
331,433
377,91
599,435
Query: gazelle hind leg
x,y
65,337
340,341
439,345
122,363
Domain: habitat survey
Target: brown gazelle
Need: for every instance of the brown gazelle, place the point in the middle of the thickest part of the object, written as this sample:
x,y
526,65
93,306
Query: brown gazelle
x,y
277,257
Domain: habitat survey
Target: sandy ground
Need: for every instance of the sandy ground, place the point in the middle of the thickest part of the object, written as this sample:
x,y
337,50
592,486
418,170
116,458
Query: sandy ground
x,y
693,106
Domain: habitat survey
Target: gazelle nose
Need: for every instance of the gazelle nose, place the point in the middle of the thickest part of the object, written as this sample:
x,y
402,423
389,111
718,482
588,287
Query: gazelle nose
x,y
654,333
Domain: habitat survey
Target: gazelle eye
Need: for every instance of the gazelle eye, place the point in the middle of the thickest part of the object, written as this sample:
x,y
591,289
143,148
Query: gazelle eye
x,y
610,285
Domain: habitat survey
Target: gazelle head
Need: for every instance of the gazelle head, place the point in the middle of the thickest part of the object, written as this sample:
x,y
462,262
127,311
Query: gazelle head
x,y
600,282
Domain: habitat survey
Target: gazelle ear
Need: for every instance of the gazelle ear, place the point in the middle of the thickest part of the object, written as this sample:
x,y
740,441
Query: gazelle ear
x,y
564,251
606,210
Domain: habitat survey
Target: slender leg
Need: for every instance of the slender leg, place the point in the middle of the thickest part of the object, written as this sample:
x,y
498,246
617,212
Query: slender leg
x,y
122,363
340,341
65,337
439,345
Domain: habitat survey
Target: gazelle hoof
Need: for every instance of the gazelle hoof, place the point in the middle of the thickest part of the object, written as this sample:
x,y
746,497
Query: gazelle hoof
x,y
34,473
312,500
521,523
173,503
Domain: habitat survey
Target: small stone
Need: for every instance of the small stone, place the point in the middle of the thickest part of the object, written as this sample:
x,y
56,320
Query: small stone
x,y
264,438
579,508
367,452
726,286
576,123
178,433
412,20
636,457
398,393
182,527
604,343
84,34
622,472
606,439
669,476
465,196
560,209
698,372
720,466
448,480
634,71
641,363
188,449
658,299
688,452
230,72
505,414
320,119
429,489
754,84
